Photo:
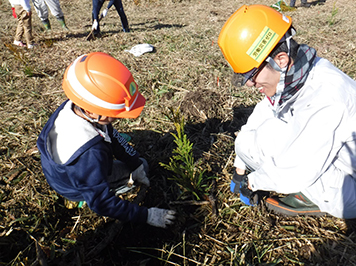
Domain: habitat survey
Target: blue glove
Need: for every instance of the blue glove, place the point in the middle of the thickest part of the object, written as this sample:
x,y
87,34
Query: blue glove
x,y
239,184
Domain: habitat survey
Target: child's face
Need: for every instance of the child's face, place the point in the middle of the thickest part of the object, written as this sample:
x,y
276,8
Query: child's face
x,y
105,120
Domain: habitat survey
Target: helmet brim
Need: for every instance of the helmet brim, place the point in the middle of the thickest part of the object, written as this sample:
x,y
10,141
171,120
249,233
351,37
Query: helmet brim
x,y
135,110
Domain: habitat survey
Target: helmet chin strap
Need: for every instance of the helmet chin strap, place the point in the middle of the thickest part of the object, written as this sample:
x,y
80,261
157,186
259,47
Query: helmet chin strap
x,y
283,71
280,86
92,120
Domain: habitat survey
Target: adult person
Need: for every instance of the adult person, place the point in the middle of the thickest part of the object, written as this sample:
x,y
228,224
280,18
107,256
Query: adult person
x,y
82,156
300,140
97,5
41,7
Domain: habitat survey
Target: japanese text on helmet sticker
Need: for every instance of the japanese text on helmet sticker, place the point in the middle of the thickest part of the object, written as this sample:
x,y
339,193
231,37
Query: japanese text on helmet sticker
x,y
262,45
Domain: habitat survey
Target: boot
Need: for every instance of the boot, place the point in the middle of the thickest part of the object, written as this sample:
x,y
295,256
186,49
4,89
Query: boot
x,y
46,24
305,4
292,205
292,3
62,23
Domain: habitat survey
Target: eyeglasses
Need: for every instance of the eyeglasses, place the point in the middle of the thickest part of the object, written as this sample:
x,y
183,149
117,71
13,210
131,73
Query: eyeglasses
x,y
252,73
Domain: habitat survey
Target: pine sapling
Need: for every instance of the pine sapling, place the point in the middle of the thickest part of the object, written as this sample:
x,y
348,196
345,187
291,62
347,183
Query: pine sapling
x,y
186,174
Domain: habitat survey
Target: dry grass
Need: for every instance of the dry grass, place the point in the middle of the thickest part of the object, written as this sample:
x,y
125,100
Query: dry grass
x,y
187,70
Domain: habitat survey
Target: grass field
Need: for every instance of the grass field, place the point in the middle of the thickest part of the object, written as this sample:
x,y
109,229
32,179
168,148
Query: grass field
x,y
186,70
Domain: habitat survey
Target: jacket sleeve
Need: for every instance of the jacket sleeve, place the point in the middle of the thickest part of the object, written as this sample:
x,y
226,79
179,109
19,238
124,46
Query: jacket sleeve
x,y
123,151
261,112
88,173
311,140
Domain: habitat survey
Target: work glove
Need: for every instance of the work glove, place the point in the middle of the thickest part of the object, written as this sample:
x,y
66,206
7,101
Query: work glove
x,y
247,196
239,184
105,12
95,25
160,217
140,176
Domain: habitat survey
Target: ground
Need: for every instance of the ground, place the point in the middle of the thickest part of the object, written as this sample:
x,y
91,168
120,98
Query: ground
x,y
186,70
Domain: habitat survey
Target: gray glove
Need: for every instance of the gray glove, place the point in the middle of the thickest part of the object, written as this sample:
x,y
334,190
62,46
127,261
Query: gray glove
x,y
140,176
160,217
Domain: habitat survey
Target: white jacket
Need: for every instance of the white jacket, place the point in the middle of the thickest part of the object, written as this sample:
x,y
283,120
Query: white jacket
x,y
309,145
24,3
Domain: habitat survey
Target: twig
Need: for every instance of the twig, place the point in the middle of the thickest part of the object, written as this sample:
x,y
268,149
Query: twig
x,y
173,87
41,256
189,202
216,241
76,223
91,34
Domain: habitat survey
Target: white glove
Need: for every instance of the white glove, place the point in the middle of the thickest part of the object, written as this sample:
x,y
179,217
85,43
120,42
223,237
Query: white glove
x,y
95,25
160,217
105,12
139,175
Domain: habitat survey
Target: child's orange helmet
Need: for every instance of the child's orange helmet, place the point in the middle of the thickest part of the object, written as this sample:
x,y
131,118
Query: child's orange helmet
x,y
250,34
100,84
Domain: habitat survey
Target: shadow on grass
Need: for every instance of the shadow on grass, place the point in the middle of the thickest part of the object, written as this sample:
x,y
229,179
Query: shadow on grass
x,y
141,244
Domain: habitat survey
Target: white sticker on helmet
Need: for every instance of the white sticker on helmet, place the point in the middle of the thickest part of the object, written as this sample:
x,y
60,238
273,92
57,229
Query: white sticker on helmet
x,y
285,19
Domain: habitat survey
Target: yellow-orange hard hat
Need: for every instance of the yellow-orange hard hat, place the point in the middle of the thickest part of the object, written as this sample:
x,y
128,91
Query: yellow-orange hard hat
x,y
101,84
250,34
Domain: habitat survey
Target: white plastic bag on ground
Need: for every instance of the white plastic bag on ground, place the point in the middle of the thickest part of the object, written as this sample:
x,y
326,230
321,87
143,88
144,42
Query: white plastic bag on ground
x,y
140,49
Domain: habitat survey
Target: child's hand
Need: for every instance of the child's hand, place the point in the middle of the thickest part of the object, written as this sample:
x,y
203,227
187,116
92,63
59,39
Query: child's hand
x,y
140,176
160,217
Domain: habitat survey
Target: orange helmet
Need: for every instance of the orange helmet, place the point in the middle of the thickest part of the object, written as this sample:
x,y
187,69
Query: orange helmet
x,y
250,35
99,83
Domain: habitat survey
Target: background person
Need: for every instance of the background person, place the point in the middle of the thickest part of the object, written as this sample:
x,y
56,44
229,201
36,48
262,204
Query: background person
x,y
300,139
78,143
24,24
42,12
97,4
303,3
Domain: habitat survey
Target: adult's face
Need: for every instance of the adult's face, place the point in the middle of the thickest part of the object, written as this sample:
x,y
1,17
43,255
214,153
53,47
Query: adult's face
x,y
266,81
267,78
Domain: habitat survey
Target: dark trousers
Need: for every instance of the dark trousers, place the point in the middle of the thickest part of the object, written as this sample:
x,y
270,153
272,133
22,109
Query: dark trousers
x,y
120,10
292,2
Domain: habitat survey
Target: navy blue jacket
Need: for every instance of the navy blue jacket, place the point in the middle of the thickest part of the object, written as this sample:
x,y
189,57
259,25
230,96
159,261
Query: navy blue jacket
x,y
83,176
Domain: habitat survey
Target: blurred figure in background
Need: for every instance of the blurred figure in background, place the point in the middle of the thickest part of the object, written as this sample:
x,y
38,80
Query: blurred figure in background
x,y
304,3
97,5
22,11
41,7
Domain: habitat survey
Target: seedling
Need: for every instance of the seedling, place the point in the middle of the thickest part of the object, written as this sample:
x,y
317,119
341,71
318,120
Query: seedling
x,y
334,12
186,172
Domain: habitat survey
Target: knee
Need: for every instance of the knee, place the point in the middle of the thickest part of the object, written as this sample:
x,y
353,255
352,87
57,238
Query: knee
x,y
145,165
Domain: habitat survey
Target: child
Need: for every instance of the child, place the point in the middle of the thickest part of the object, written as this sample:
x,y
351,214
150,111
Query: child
x,y
55,8
78,142
24,26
